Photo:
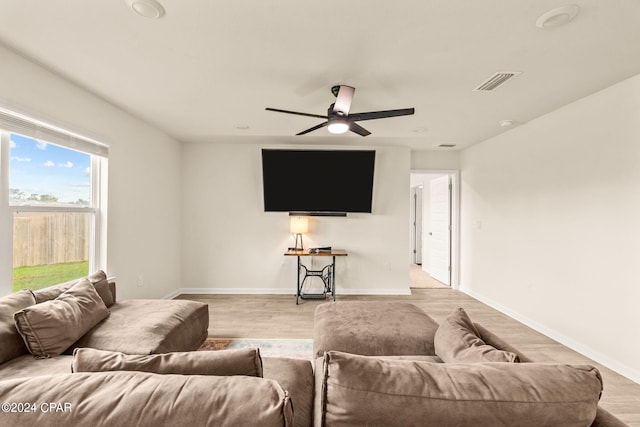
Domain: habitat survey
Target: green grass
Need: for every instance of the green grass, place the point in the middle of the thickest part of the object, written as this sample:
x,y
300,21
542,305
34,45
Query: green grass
x,y
41,276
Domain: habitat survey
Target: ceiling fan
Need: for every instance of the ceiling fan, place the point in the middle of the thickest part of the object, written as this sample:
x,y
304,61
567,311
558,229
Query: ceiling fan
x,y
338,118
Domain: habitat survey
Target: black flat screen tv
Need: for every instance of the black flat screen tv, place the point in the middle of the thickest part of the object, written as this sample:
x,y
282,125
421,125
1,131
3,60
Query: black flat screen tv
x,y
320,182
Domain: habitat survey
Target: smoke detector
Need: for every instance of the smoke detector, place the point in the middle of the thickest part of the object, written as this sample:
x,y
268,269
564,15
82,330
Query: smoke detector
x,y
146,8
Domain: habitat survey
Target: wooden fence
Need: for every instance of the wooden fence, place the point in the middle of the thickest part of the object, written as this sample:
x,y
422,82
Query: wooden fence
x,y
50,238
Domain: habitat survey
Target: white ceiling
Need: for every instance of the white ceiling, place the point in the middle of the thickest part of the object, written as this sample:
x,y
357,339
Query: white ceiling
x,y
209,68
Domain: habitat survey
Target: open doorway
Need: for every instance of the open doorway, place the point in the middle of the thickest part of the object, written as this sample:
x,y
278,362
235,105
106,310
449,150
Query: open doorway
x,y
433,229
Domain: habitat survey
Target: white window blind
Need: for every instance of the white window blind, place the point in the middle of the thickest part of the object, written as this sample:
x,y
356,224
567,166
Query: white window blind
x,y
34,128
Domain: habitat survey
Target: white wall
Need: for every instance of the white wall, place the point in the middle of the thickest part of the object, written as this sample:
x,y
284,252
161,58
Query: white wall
x,y
435,160
144,225
551,224
231,245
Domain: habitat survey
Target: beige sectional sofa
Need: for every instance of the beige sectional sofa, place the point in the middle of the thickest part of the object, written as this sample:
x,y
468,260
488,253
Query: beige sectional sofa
x,y
130,326
38,387
392,364
376,364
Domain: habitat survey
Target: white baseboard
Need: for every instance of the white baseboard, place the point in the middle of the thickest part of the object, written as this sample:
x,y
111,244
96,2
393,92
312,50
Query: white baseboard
x,y
230,291
279,291
374,292
585,350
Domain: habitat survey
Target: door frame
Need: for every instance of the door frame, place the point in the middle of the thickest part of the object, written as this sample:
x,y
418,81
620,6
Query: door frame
x,y
455,219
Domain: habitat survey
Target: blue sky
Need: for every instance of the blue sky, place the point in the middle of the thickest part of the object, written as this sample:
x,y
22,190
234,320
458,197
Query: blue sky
x,y
41,168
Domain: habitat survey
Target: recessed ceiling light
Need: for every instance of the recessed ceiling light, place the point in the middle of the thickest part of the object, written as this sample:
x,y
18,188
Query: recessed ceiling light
x,y
557,17
242,126
147,8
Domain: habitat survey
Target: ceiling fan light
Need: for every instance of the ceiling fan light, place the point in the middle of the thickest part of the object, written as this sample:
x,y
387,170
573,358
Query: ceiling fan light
x,y
338,124
338,127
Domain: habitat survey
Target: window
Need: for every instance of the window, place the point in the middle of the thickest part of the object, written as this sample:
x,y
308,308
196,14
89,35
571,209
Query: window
x,y
52,207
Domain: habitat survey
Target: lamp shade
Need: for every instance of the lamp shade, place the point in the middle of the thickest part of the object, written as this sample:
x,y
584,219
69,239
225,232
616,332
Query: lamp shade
x,y
299,224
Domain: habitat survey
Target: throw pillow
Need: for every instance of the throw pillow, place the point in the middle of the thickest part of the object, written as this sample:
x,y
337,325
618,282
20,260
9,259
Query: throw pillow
x,y
244,361
98,279
458,340
361,390
100,282
49,328
12,345
52,292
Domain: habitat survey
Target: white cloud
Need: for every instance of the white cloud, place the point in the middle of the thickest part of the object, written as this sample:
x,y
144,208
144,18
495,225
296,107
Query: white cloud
x,y
66,165
87,171
21,159
12,144
48,164
41,145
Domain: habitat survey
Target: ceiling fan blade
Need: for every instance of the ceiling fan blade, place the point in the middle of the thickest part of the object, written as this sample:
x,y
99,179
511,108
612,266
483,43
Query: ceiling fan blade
x,y
381,114
356,128
321,125
296,113
343,100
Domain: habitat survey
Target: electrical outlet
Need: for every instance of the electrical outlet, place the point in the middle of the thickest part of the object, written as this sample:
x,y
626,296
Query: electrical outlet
x,y
140,280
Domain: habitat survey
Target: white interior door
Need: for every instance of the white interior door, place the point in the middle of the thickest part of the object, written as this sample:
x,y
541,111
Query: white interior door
x,y
440,230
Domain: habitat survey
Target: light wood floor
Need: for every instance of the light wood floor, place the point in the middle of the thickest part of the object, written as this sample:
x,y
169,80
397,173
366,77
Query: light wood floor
x,y
418,278
277,316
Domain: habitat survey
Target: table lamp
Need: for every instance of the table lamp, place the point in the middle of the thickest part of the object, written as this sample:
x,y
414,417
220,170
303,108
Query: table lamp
x,y
297,226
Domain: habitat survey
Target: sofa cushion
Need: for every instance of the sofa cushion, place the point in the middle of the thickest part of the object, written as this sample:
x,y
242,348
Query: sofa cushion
x,y
150,326
244,361
49,328
98,279
319,377
144,399
12,343
373,328
458,340
359,390
28,366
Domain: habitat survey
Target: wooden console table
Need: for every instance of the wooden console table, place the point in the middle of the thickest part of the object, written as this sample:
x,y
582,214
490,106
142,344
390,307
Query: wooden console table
x,y
327,273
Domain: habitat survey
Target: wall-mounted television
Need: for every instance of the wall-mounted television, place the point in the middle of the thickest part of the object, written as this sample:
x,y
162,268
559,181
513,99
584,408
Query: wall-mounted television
x,y
318,182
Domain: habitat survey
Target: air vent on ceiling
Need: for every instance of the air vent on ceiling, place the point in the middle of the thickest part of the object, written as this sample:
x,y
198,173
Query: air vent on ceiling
x,y
498,79
447,145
